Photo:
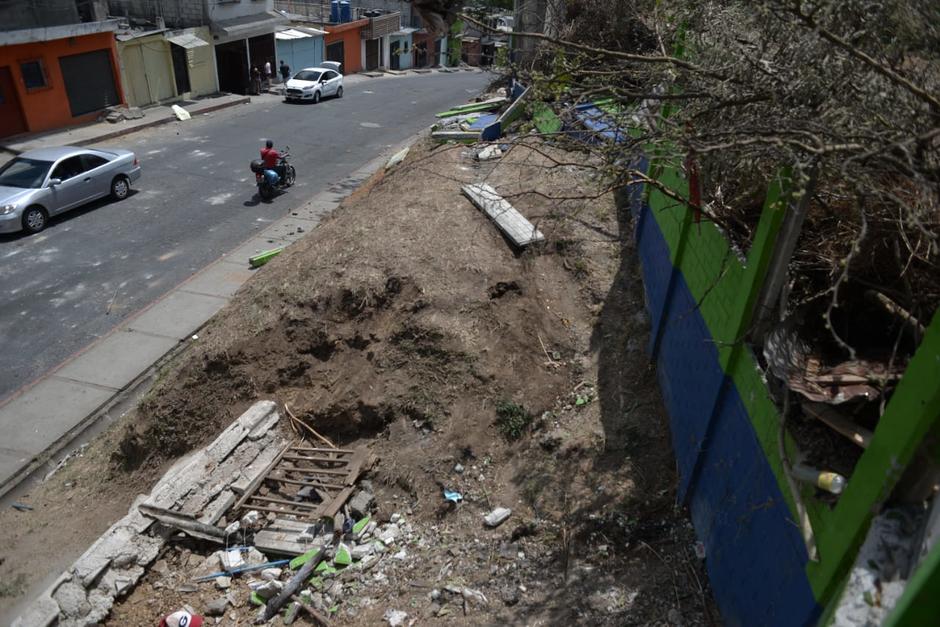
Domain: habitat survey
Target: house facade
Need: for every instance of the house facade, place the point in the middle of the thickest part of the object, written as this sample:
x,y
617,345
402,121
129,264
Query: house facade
x,y
56,69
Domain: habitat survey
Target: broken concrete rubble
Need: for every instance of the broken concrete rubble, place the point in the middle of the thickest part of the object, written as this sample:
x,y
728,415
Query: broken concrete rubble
x,y
115,562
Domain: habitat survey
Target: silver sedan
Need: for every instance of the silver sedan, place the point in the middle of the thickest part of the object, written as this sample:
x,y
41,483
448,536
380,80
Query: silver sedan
x,y
42,183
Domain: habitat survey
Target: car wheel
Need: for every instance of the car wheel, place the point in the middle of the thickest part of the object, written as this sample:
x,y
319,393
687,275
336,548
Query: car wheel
x,y
35,219
290,175
120,187
339,92
316,97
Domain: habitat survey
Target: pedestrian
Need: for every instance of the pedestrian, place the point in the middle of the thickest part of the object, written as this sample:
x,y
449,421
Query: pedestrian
x,y
255,80
285,70
267,73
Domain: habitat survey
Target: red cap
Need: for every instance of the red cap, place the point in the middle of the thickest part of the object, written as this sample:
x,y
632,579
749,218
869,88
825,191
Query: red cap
x,y
182,618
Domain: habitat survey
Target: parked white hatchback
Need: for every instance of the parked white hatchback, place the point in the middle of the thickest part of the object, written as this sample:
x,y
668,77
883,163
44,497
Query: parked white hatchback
x,y
315,83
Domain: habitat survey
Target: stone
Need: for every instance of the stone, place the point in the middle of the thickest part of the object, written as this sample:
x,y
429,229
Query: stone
x,y
271,573
268,589
73,603
389,534
510,596
117,582
99,607
160,567
395,618
435,594
361,503
217,607
458,468
223,583
133,113
305,493
89,567
497,517
362,550
255,556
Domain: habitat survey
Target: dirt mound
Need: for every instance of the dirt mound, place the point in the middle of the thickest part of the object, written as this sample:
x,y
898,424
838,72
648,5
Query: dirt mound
x,y
364,323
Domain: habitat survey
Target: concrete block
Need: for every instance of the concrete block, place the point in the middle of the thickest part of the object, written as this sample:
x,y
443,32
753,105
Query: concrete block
x,y
227,441
118,581
89,567
255,414
100,605
256,467
72,600
262,428
42,612
217,508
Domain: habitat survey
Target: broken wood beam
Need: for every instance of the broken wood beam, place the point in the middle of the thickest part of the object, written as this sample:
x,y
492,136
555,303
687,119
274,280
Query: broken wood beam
x,y
839,423
312,484
183,522
297,581
259,478
269,499
315,615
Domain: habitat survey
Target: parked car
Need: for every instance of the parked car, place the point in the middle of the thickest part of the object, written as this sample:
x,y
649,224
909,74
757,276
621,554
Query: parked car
x,y
314,83
42,183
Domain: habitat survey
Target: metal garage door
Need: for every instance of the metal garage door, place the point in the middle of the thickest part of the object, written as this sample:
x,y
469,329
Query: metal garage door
x,y
89,81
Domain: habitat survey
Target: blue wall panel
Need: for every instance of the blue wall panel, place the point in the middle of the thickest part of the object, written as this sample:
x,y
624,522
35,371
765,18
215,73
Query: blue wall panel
x,y
756,559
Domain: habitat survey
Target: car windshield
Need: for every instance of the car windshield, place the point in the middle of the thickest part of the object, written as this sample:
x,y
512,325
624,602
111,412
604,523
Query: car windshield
x,y
306,75
24,173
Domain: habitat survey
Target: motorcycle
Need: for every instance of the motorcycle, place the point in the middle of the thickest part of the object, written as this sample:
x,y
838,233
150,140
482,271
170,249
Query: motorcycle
x,y
267,187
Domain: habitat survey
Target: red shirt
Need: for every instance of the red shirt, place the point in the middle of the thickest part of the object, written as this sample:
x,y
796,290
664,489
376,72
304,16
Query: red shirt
x,y
270,157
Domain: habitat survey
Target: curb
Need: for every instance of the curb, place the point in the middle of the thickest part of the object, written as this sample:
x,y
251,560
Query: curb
x,y
160,122
133,129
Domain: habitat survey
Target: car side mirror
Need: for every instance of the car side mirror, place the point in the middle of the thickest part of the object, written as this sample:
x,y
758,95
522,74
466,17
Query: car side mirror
x,y
54,182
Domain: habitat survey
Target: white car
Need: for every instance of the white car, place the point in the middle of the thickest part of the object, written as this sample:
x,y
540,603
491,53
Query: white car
x,y
314,83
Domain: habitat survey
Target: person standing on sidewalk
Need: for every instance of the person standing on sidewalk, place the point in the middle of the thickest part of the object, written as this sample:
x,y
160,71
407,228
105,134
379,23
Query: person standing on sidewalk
x,y
267,73
285,71
255,80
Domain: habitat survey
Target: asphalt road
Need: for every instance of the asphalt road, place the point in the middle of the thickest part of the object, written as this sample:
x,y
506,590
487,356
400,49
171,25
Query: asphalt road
x,y
92,268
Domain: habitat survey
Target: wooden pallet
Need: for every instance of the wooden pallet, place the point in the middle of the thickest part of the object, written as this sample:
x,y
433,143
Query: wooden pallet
x,y
332,473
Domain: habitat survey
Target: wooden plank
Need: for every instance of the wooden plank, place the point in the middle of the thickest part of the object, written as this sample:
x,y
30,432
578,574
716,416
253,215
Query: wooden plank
x,y
839,423
355,466
312,484
517,228
269,499
314,449
332,508
305,515
183,522
325,460
279,542
259,478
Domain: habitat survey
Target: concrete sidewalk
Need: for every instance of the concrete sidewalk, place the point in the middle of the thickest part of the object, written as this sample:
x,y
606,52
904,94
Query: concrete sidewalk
x,y
100,131
47,416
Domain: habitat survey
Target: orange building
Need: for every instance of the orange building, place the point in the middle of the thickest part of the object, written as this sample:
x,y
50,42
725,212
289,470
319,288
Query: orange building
x,y
57,76
344,44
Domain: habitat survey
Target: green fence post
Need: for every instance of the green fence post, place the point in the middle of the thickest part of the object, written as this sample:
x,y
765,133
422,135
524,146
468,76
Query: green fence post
x,y
913,411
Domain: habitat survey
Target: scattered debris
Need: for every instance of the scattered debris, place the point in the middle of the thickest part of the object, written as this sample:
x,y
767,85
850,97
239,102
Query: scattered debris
x,y
264,257
22,507
181,114
497,517
397,158
395,618
512,223
182,618
831,482
454,497
489,153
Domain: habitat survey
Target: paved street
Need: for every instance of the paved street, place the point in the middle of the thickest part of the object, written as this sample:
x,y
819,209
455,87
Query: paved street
x,y
92,268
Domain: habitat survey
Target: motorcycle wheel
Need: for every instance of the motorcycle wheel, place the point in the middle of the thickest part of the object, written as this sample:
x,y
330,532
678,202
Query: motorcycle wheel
x,y
266,191
290,175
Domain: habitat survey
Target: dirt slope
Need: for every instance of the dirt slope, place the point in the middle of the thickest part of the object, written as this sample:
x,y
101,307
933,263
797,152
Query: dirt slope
x,y
406,323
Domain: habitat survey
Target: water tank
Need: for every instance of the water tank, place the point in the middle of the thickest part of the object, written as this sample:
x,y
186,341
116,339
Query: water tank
x,y
345,12
334,12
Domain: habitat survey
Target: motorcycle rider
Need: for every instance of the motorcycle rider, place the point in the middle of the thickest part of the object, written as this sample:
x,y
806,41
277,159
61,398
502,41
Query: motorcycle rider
x,y
271,158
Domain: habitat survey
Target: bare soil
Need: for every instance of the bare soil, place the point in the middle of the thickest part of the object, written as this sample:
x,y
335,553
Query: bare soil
x,y
406,323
